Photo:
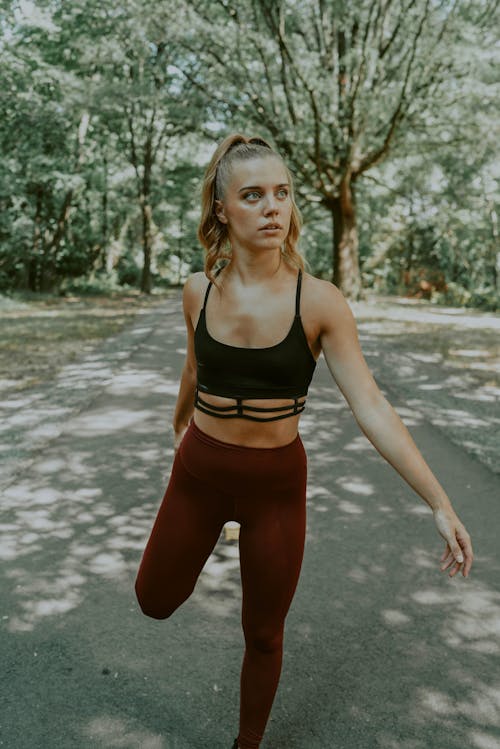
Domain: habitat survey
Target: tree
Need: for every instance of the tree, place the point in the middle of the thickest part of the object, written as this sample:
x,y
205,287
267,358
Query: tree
x,y
333,84
42,139
135,91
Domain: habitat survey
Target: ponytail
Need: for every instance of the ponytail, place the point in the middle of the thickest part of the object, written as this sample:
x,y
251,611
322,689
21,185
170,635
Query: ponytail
x,y
212,233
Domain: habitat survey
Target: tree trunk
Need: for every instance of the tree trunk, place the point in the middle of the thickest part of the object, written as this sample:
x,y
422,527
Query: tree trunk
x,y
346,272
494,245
33,259
46,268
146,247
103,250
180,244
146,211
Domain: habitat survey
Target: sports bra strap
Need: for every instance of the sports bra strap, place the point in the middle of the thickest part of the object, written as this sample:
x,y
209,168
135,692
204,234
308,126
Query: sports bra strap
x,y
297,297
209,286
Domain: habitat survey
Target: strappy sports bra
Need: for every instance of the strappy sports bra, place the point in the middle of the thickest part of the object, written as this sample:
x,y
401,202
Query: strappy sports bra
x,y
284,370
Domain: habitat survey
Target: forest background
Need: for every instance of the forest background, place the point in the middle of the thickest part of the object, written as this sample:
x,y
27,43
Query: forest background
x,y
386,111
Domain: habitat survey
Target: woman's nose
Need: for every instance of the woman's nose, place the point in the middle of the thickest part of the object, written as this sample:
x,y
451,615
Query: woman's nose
x,y
271,205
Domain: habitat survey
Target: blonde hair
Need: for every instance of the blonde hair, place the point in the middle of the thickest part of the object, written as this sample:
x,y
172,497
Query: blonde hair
x,y
212,233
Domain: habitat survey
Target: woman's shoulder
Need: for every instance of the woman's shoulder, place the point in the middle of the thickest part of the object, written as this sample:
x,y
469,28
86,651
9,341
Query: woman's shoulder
x,y
192,291
323,300
319,289
195,280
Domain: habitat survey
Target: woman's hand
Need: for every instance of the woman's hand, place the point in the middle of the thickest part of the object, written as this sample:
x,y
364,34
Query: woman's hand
x,y
178,437
458,549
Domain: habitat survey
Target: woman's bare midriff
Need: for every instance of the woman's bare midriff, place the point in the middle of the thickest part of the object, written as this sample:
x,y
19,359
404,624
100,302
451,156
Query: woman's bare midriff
x,y
246,432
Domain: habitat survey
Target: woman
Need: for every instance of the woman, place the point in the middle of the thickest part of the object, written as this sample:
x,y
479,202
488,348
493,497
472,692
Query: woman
x,y
238,453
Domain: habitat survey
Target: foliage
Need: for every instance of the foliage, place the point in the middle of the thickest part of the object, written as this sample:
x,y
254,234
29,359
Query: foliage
x,y
111,112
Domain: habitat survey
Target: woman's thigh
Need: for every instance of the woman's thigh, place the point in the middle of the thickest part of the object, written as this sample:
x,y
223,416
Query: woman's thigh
x,y
272,537
185,531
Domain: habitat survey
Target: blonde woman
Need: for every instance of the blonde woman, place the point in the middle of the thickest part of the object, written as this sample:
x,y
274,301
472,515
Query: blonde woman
x,y
255,330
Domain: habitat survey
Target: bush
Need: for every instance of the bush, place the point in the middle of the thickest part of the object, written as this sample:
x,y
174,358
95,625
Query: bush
x,y
128,272
486,299
101,284
454,295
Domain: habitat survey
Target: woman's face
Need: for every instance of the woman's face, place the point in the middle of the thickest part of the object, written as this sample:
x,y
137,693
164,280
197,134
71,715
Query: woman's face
x,y
258,193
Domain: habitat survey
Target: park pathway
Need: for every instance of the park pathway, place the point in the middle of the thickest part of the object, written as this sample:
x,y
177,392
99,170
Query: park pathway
x,y
382,650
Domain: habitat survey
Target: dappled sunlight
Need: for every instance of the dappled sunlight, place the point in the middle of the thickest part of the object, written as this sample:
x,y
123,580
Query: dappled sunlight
x,y
418,356
138,381
481,705
475,624
92,497
406,310
39,596
454,417
358,575
394,617
358,444
25,495
109,420
26,418
419,509
115,732
314,491
487,393
420,351
218,589
386,631
356,486
409,416
475,353
30,420
372,616
349,507
481,740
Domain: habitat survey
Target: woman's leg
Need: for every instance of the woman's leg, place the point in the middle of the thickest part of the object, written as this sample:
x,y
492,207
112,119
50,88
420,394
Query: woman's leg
x,y
272,536
186,529
264,489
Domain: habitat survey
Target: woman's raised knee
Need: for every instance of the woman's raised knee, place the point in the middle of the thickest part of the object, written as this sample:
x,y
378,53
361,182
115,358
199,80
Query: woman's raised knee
x,y
152,608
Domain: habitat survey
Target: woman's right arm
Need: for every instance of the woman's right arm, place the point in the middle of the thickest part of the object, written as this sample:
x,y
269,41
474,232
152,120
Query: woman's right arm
x,y
185,400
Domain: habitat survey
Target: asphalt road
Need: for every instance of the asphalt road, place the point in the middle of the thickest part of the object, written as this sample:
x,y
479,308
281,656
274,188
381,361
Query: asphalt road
x,y
382,650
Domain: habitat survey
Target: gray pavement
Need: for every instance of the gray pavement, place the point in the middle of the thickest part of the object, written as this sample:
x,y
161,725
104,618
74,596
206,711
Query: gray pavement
x,y
382,650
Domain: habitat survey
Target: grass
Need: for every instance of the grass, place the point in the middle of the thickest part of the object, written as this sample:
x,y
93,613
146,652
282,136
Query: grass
x,y
38,335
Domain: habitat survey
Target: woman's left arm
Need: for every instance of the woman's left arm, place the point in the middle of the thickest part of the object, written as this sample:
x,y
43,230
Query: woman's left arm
x,y
382,425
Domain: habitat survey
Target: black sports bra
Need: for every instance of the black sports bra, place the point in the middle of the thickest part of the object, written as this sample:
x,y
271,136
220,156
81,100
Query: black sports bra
x,y
284,370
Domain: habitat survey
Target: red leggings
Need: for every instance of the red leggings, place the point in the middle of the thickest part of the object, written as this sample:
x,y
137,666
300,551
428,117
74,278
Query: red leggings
x,y
264,490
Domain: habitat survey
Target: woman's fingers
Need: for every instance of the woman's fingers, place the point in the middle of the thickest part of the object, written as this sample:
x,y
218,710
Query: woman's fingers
x,y
446,559
455,569
458,549
465,542
446,554
451,561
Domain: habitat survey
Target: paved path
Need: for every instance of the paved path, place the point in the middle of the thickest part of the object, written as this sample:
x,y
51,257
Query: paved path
x,y
443,361
382,651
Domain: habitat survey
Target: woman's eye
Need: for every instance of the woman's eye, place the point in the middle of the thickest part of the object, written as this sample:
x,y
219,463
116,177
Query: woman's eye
x,y
249,194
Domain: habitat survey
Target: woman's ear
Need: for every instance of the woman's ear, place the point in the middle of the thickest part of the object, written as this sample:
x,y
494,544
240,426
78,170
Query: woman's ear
x,y
219,211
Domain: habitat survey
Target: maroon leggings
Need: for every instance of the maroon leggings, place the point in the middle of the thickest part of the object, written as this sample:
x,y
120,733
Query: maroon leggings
x,y
264,490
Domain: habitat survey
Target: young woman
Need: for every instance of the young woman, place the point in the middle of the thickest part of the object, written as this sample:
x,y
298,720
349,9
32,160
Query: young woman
x,y
238,454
